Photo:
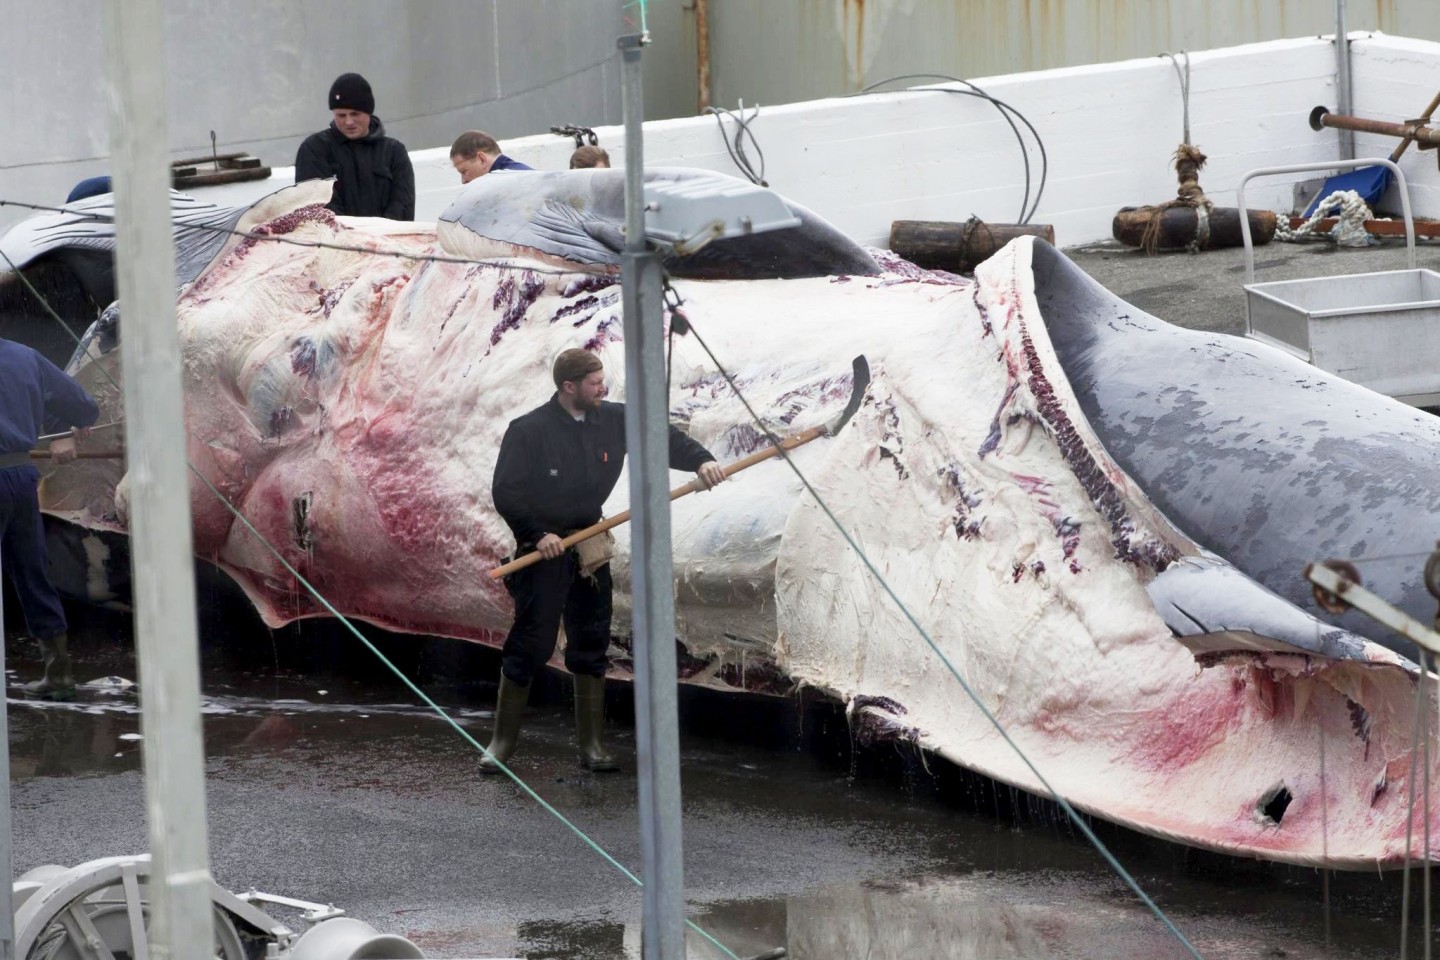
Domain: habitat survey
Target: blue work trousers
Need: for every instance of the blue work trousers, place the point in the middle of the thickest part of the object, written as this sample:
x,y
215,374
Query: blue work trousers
x,y
22,552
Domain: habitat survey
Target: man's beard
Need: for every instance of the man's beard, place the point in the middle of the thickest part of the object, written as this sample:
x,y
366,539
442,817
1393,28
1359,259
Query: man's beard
x,y
588,405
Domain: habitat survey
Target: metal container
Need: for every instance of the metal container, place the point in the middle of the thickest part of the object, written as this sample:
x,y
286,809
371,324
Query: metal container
x,y
1374,329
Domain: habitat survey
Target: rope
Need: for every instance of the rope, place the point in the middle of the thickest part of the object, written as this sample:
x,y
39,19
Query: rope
x,y
642,26
1324,837
1348,232
1188,161
1391,556
1420,695
313,244
400,674
1027,209
969,257
1426,665
1184,79
879,578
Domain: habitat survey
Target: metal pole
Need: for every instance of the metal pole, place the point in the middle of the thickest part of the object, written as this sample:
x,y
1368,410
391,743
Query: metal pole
x,y
1409,130
162,567
1342,78
647,437
702,52
7,863
1404,191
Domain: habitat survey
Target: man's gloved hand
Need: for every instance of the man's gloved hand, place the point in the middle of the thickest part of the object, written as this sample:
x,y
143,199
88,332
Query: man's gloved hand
x,y
62,450
709,474
549,546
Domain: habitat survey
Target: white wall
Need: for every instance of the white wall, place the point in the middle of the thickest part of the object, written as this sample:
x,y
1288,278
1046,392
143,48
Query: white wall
x,y
1394,79
1109,131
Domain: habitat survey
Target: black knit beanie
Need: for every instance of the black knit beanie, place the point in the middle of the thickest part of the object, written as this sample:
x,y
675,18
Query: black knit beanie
x,y
350,91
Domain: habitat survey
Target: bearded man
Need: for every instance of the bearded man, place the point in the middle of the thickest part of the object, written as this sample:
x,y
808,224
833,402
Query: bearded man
x,y
557,466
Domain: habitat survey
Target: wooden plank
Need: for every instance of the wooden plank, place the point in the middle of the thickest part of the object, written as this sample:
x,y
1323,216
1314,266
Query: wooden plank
x,y
1379,228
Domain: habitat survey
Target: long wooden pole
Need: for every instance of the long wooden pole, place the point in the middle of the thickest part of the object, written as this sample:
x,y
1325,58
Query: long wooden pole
x,y
610,523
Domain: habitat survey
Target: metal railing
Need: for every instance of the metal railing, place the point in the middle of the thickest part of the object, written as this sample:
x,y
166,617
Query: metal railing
x,y
1324,165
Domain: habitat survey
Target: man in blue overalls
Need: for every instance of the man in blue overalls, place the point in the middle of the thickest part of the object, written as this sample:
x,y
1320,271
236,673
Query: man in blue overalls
x,y
35,395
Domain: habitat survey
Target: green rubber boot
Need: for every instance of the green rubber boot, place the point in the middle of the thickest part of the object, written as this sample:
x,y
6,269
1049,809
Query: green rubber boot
x,y
57,683
509,709
590,725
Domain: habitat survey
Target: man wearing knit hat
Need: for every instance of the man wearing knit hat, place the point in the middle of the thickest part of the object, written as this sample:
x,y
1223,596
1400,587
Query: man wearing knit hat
x,y
373,176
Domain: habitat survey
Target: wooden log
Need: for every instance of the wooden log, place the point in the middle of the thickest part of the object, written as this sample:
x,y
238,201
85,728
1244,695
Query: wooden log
x,y
958,247
1179,227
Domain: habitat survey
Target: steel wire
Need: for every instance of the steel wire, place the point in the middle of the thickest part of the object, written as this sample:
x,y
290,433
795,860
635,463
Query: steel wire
x,y
1027,209
1064,804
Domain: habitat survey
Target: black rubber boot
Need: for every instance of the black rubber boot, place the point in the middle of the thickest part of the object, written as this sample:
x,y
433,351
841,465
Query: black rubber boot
x,y
58,683
590,725
509,710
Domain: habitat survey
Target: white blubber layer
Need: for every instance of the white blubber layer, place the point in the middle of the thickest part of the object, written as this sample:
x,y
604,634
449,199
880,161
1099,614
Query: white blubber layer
x,y
352,405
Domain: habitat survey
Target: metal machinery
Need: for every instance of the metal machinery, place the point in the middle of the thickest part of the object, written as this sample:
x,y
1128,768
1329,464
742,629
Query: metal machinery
x,y
100,911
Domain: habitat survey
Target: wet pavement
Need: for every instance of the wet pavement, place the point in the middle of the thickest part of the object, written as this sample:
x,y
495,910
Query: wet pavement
x,y
328,782
1205,291
340,789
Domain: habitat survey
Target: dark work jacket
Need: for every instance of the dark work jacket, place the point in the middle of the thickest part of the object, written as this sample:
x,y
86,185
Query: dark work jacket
x,y
373,176
503,162
554,472
36,396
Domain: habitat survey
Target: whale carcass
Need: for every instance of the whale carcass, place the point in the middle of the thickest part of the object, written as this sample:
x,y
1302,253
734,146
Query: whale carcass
x,y
350,405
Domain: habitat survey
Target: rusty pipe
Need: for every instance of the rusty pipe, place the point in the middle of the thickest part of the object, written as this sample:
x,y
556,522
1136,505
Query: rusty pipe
x,y
1321,117
1424,118
702,53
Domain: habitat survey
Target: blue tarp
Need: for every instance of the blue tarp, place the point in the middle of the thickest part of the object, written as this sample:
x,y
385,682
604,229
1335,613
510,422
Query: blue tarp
x,y
1369,182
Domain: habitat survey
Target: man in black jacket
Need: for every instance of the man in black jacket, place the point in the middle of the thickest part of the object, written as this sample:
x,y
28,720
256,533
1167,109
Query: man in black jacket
x,y
557,465
373,175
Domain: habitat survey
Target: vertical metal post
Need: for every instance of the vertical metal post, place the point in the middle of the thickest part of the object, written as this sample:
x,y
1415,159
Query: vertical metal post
x,y
160,546
1342,79
647,437
7,863
702,53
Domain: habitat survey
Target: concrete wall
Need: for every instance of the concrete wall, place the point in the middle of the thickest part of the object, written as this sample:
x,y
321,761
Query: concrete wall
x,y
1395,79
257,73
768,52
1108,129
863,162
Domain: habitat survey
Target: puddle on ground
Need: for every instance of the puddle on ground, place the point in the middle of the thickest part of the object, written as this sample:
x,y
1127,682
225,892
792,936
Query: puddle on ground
x,y
349,792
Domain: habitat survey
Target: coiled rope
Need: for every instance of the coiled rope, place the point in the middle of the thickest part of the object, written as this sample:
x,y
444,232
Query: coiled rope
x,y
1348,232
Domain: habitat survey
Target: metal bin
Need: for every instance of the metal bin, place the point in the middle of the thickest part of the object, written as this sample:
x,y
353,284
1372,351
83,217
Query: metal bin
x,y
1380,330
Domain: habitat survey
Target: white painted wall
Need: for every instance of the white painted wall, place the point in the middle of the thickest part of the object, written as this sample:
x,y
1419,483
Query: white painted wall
x,y
1395,79
1109,131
